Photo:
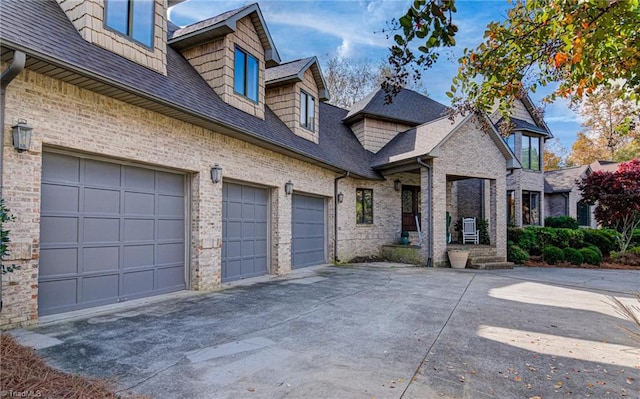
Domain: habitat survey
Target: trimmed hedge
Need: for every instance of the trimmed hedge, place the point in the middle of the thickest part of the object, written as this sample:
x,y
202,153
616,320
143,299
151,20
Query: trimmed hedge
x,y
516,254
564,222
553,255
604,239
590,256
573,256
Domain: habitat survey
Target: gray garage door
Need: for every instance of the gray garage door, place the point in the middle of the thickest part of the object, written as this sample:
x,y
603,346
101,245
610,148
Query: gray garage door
x,y
108,233
245,212
308,231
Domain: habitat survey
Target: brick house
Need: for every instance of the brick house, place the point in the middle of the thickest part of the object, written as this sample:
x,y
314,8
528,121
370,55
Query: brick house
x,y
563,198
165,158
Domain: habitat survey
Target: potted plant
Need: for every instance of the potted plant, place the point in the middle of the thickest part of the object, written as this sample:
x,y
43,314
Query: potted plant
x,y
458,257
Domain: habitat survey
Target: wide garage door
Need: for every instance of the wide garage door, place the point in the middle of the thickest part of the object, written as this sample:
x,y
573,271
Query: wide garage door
x,y
108,233
308,231
245,212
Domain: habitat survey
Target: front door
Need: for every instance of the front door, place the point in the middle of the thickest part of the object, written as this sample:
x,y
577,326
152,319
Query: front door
x,y
411,207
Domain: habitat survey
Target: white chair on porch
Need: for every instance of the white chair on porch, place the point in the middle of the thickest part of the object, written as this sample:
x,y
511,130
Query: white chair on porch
x,y
469,232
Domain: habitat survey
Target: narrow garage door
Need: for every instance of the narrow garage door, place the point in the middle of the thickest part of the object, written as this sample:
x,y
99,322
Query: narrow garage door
x,y
308,231
108,233
244,231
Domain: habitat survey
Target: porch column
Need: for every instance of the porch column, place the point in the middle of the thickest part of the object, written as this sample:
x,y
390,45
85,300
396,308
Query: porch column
x,y
281,232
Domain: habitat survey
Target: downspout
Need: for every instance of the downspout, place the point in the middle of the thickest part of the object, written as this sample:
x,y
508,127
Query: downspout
x,y
430,202
17,65
335,215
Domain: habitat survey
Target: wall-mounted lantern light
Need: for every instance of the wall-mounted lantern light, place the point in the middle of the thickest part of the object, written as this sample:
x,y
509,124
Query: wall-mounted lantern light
x,y
397,185
340,198
288,188
22,135
216,173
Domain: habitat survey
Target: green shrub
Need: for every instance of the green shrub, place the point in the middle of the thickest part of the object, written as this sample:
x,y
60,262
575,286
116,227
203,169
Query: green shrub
x,y
596,250
590,256
483,232
565,222
564,238
635,238
573,256
634,250
514,234
530,240
516,254
553,255
604,239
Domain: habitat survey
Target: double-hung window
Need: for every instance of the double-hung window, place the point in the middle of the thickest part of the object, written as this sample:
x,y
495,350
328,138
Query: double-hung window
x,y
530,208
307,110
245,80
530,152
364,206
132,18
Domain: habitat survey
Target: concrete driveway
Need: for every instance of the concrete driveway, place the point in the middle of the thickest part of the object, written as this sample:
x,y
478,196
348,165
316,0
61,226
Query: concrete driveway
x,y
367,331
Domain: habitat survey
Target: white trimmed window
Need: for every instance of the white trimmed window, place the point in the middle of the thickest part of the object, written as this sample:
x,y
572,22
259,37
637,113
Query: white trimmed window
x,y
132,18
307,110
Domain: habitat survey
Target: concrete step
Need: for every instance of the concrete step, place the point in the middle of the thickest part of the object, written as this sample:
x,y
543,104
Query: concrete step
x,y
485,259
491,265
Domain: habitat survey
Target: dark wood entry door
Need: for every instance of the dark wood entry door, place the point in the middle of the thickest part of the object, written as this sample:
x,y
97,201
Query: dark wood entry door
x,y
411,207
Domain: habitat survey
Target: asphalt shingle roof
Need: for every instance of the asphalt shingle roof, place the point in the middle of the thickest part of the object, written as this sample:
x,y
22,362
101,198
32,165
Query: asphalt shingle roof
x,y
42,30
562,180
408,106
286,70
520,124
209,22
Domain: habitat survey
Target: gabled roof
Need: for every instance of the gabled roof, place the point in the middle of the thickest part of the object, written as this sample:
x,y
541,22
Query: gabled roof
x,y
426,140
563,180
523,125
55,48
408,107
606,166
221,25
293,71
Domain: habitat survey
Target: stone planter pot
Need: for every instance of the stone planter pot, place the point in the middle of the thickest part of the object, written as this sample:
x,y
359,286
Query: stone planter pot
x,y
458,258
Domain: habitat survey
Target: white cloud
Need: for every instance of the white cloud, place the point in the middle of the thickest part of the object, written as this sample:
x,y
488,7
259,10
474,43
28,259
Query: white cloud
x,y
345,50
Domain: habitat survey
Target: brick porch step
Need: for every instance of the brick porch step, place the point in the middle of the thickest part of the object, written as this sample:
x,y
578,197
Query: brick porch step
x,y
484,259
491,265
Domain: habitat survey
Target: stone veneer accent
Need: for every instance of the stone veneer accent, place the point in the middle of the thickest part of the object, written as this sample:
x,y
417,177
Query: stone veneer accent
x,y
88,18
215,62
375,133
284,101
117,131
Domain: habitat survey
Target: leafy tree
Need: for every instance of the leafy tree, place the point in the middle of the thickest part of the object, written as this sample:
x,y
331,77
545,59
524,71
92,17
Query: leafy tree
x,y
609,122
578,44
585,151
554,153
617,199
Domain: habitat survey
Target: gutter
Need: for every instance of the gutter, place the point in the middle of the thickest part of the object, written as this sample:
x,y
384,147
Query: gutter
x,y
335,215
429,209
17,66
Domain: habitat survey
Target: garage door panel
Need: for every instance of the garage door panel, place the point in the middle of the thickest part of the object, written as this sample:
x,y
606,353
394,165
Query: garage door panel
x,y
116,245
138,255
99,173
170,205
100,259
139,203
244,231
59,167
99,288
58,261
60,198
58,230
102,201
139,229
138,282
308,230
138,178
57,294
170,230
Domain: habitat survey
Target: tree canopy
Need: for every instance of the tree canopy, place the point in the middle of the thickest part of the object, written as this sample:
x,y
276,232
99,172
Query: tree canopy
x,y
577,44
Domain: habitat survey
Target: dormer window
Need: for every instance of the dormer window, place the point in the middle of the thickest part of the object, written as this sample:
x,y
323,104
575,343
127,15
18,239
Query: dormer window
x,y
246,75
132,18
307,110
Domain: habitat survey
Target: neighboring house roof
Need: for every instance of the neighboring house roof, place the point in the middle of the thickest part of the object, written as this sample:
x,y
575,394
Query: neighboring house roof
x,y
520,124
293,71
563,180
605,166
220,25
408,107
55,48
426,140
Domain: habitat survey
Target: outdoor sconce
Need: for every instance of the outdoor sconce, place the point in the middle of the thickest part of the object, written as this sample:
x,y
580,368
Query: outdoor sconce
x,y
21,135
340,198
397,185
216,173
288,188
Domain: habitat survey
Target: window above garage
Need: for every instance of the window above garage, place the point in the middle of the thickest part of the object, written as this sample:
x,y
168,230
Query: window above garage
x,y
131,18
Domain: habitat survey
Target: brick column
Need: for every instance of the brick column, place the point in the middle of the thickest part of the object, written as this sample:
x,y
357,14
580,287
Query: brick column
x,y
280,232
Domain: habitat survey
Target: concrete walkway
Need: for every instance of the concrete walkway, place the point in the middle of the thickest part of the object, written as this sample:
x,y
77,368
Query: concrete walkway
x,y
367,331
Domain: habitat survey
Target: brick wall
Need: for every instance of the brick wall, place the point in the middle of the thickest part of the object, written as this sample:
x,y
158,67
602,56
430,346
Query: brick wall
x,y
66,117
88,18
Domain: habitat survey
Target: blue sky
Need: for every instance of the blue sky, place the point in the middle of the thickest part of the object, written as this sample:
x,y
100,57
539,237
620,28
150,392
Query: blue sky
x,y
351,28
